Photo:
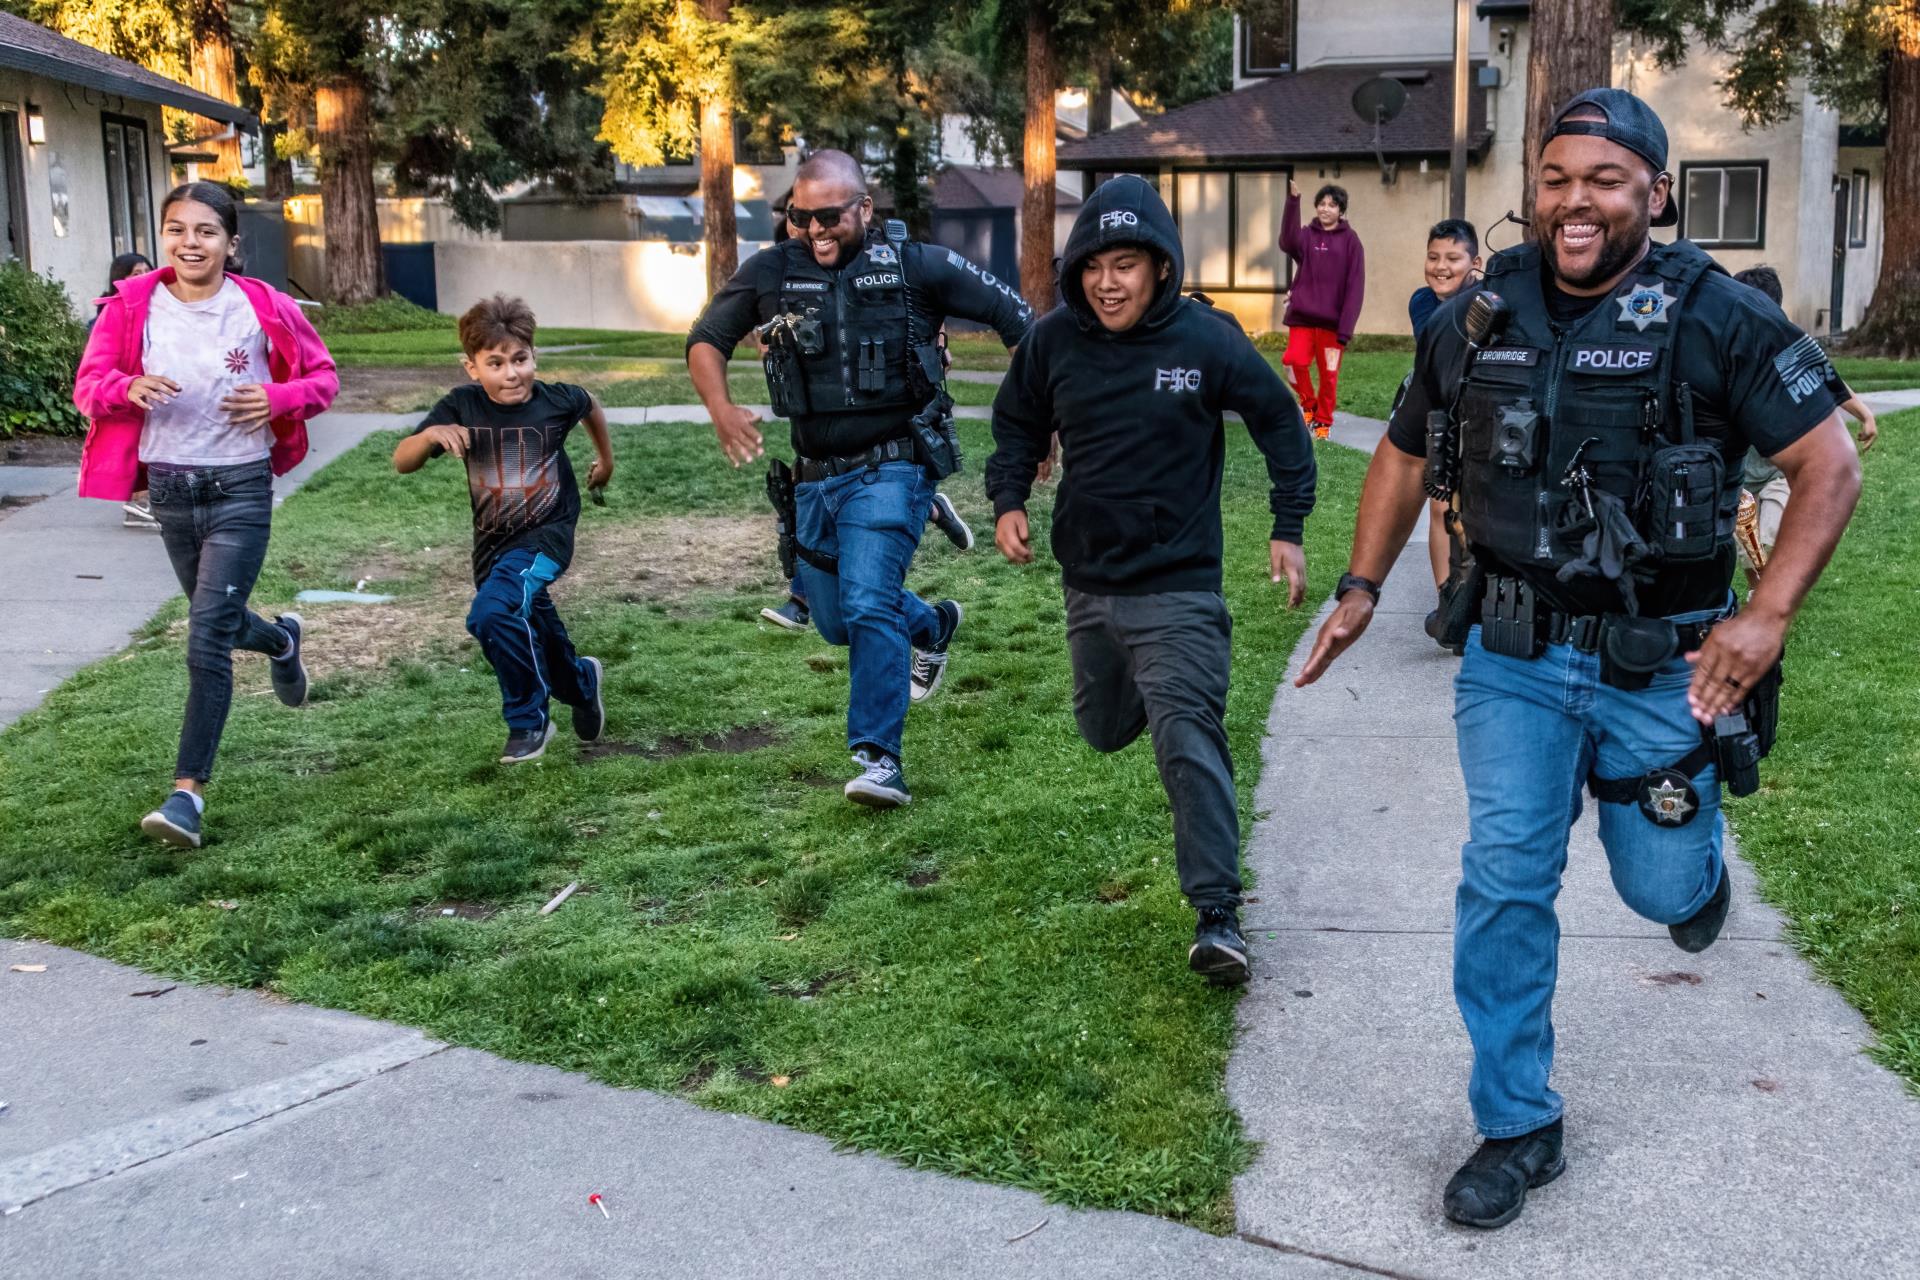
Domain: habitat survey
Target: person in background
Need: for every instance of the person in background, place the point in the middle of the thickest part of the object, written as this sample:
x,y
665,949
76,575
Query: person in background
x,y
201,381
1323,304
1452,267
1766,482
139,512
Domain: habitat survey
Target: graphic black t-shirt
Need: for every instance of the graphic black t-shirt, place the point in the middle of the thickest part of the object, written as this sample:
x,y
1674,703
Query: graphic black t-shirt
x,y
1757,380
522,486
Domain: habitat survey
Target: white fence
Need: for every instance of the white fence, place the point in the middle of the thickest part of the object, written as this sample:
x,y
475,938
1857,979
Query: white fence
x,y
591,284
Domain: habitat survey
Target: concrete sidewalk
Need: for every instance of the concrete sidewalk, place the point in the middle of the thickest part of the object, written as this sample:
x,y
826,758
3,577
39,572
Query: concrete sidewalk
x,y
80,584
1722,1119
202,1134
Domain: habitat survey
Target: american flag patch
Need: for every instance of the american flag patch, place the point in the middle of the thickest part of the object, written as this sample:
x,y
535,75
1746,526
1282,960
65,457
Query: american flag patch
x,y
1803,368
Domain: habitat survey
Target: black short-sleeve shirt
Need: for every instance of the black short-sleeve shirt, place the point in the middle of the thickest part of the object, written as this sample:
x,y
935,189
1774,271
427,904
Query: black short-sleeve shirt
x,y
518,475
1757,381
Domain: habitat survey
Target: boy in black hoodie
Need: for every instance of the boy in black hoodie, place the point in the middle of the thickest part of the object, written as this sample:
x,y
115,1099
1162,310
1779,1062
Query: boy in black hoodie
x,y
1134,378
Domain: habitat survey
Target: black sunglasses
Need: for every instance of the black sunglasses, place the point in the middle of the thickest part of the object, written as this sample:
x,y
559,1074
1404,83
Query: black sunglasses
x,y
828,218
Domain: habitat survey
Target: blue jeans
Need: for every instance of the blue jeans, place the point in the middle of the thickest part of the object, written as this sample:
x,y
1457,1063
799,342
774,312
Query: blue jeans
x,y
520,631
871,519
1529,732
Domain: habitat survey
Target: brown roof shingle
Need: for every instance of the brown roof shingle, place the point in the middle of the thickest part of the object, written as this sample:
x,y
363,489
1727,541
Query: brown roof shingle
x,y
1290,117
28,46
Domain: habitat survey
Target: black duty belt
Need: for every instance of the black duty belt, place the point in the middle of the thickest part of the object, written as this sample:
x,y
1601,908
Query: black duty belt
x,y
1583,632
810,470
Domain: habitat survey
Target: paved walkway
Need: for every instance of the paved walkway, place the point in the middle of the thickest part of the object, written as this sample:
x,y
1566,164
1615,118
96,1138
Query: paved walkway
x,y
1722,1118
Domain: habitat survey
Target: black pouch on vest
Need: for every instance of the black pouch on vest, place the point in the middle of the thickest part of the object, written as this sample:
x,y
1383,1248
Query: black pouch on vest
x,y
1736,753
786,390
1683,502
1509,619
936,445
1633,649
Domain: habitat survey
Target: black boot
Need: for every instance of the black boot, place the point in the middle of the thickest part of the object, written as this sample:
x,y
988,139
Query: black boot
x,y
1491,1187
1697,932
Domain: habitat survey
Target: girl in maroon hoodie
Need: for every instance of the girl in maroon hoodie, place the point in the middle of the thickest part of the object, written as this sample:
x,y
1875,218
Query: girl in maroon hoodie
x,y
1329,281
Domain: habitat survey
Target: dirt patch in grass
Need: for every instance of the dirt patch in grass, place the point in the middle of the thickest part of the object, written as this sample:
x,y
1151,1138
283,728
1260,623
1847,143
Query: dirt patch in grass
x,y
923,877
735,741
812,987
670,559
367,637
451,908
696,1080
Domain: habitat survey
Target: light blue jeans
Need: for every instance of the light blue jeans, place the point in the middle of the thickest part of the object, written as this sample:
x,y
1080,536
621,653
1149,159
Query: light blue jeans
x,y
871,519
1529,732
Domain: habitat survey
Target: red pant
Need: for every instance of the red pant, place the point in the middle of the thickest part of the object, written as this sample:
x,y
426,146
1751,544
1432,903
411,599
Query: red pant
x,y
1306,348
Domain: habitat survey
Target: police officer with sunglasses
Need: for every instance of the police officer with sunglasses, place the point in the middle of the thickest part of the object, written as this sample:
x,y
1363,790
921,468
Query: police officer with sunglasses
x,y
852,320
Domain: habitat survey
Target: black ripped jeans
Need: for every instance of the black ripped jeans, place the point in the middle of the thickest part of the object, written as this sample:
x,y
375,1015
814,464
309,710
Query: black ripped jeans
x,y
215,522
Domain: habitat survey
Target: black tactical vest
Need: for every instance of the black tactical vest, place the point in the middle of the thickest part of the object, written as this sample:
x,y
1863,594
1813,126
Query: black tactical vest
x,y
1600,388
866,361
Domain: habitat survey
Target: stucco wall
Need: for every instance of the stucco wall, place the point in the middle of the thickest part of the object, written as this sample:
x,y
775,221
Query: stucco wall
x,y
1863,265
597,284
79,259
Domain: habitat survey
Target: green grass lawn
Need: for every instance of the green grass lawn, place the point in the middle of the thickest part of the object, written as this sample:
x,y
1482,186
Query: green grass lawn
x,y
1868,374
991,982
1835,827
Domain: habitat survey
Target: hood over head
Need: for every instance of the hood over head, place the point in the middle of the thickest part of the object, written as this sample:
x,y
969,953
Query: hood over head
x,y
1122,210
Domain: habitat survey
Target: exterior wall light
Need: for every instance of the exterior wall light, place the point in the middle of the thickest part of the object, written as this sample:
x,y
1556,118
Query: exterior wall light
x,y
36,126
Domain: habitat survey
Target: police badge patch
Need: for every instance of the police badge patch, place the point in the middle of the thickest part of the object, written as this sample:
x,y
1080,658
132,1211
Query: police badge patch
x,y
1668,799
1645,304
882,255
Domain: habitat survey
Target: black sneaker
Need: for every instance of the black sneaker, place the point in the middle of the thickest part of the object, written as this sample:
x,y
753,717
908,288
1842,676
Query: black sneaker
x,y
881,783
1219,952
1697,932
1491,1187
528,744
590,717
930,664
943,517
289,673
176,821
792,615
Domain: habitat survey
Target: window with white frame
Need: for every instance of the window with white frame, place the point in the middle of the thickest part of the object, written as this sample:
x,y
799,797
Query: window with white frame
x,y
1266,37
1724,205
1230,228
1857,210
129,188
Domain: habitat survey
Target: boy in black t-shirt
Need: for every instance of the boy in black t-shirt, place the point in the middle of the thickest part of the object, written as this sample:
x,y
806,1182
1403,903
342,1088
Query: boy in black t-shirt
x,y
512,432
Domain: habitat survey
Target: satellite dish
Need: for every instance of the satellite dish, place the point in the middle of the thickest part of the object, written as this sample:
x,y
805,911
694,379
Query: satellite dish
x,y
1379,100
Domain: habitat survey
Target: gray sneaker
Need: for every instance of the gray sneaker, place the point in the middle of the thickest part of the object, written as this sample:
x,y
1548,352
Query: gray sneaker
x,y
176,821
942,516
289,672
528,744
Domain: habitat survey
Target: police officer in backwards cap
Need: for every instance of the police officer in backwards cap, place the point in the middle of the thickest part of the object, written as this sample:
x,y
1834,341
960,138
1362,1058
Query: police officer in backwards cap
x,y
1586,414
851,321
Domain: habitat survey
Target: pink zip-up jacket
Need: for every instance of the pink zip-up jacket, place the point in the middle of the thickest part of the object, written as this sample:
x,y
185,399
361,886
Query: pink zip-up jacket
x,y
304,382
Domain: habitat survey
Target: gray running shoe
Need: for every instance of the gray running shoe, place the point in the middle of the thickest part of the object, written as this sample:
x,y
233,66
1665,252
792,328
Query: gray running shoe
x,y
881,783
176,821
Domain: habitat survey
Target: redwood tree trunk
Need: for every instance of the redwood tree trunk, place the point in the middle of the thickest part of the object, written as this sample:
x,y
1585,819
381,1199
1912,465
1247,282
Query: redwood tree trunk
x,y
213,75
1570,50
343,123
716,173
1892,321
279,168
1037,167
1100,92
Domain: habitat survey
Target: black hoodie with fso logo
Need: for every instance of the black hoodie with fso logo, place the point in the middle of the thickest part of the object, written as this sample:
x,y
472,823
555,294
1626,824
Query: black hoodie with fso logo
x,y
1139,417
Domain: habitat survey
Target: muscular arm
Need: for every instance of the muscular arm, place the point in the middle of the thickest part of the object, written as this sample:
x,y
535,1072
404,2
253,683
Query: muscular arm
x,y
954,287
1823,472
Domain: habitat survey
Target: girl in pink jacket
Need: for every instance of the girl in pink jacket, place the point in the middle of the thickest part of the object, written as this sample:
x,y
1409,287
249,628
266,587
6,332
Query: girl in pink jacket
x,y
198,383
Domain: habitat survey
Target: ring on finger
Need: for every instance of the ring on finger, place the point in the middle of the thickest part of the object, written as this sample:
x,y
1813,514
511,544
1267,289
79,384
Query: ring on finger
x,y
1733,681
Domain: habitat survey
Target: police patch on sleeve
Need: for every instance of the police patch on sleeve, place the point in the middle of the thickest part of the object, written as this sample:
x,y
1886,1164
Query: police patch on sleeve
x,y
1645,304
1803,368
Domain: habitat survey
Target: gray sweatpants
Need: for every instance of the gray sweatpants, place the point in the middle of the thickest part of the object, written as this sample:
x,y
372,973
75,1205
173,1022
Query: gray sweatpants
x,y
1160,662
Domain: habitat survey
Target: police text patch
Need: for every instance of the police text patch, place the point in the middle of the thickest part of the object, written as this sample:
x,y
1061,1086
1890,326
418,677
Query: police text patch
x,y
1526,356
1803,368
1611,359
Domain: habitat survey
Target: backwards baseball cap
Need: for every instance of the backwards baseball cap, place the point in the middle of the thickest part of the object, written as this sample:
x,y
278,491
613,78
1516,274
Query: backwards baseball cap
x,y
1625,120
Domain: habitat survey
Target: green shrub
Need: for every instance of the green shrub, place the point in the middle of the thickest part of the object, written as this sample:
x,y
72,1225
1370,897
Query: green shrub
x,y
387,315
40,345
